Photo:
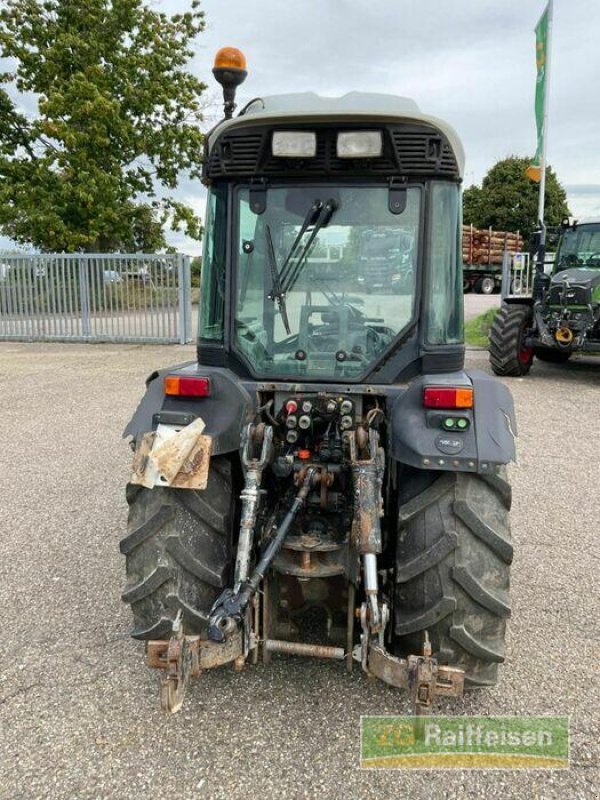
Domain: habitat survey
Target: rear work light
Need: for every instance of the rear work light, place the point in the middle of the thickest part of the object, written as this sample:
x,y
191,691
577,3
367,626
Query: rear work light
x,y
447,397
177,386
294,144
359,144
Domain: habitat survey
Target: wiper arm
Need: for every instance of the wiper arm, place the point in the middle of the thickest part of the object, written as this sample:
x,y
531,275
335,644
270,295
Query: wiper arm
x,y
325,215
276,294
311,217
335,299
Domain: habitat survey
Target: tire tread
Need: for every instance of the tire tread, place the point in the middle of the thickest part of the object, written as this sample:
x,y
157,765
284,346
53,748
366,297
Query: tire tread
x,y
452,571
505,340
178,552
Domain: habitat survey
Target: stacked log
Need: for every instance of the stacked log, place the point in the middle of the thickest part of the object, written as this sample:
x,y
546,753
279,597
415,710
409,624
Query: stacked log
x,y
487,246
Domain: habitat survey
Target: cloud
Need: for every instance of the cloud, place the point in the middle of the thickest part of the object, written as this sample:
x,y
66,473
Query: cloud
x,y
471,62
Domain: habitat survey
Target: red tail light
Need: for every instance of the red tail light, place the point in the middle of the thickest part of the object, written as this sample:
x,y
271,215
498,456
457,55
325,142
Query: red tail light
x,y
447,397
177,386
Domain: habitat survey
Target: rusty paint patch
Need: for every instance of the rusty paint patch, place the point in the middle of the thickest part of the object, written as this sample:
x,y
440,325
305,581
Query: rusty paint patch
x,y
143,471
214,654
207,654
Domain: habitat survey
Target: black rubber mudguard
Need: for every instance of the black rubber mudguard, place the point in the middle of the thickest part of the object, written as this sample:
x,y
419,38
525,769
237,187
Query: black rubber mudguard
x,y
225,411
418,439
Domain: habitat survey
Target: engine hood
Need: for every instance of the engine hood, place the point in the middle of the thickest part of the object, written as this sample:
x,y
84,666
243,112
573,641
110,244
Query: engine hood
x,y
587,278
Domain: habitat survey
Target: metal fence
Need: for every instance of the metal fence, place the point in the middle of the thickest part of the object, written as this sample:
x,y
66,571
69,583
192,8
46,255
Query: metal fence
x,y
517,277
518,274
96,298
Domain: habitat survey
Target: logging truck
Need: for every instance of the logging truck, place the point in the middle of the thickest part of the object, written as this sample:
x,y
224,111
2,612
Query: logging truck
x,y
482,253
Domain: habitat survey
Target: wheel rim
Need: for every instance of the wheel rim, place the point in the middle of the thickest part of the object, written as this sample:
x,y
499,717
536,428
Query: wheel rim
x,y
525,353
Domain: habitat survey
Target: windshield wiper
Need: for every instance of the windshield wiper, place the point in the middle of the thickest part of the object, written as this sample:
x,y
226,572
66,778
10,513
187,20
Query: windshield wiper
x,y
324,216
276,294
311,217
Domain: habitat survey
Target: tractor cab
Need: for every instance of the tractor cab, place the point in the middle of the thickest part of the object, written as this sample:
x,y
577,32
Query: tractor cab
x,y
575,282
579,246
332,241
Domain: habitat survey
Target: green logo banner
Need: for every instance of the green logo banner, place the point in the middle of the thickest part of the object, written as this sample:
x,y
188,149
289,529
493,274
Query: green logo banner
x,y
464,742
541,57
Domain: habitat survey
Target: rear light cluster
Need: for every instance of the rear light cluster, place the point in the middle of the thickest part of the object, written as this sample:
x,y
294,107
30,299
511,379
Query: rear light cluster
x,y
178,386
447,397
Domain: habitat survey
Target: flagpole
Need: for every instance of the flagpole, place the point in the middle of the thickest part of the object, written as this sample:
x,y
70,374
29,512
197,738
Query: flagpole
x,y
545,126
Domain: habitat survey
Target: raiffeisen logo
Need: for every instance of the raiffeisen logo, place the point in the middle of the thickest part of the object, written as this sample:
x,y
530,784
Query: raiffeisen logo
x,y
471,736
459,743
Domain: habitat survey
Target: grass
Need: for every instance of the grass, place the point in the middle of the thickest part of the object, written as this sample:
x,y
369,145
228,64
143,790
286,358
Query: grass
x,y
477,330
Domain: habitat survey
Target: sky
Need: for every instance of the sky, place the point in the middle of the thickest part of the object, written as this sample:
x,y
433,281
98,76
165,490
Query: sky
x,y
471,62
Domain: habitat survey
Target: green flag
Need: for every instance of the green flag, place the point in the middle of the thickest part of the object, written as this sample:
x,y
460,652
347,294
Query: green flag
x,y
541,59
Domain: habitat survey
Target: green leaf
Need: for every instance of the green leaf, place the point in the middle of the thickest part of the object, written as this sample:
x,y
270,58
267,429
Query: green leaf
x,y
117,122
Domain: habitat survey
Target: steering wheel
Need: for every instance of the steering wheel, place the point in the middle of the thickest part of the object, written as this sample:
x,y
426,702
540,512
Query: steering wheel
x,y
594,260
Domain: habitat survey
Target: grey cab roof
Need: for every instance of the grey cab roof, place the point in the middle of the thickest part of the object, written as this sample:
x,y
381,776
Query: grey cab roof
x,y
354,106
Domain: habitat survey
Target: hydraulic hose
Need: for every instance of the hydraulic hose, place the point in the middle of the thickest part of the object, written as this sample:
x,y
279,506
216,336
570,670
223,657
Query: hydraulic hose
x,y
229,609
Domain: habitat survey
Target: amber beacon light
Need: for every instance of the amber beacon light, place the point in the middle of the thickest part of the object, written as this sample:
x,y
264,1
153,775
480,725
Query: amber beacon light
x,y
230,71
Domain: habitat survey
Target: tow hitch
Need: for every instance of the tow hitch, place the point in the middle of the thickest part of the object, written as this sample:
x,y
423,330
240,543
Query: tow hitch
x,y
234,625
184,657
421,676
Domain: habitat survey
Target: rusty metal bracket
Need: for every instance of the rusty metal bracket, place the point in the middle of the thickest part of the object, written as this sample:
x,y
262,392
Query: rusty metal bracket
x,y
421,675
179,658
184,657
427,679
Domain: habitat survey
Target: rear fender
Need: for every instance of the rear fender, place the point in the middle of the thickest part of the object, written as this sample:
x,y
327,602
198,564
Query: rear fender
x,y
418,439
225,412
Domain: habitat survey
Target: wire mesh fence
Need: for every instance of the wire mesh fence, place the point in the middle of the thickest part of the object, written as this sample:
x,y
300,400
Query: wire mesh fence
x,y
96,297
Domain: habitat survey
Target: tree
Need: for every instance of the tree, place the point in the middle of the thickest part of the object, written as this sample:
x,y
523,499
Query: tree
x,y
116,123
508,200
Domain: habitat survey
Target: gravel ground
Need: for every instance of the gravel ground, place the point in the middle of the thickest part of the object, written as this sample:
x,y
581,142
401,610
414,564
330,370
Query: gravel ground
x,y
78,707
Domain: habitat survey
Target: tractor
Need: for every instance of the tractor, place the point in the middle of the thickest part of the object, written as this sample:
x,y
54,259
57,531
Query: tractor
x,y
326,479
560,315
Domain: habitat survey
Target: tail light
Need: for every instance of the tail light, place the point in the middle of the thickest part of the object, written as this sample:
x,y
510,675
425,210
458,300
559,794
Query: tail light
x,y
179,386
447,397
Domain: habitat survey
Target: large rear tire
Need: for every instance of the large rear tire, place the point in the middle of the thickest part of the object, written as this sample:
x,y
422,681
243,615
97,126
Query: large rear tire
x,y
552,356
508,354
178,552
453,559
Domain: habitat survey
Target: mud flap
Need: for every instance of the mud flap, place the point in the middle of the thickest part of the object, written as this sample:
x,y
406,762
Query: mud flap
x,y
173,456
